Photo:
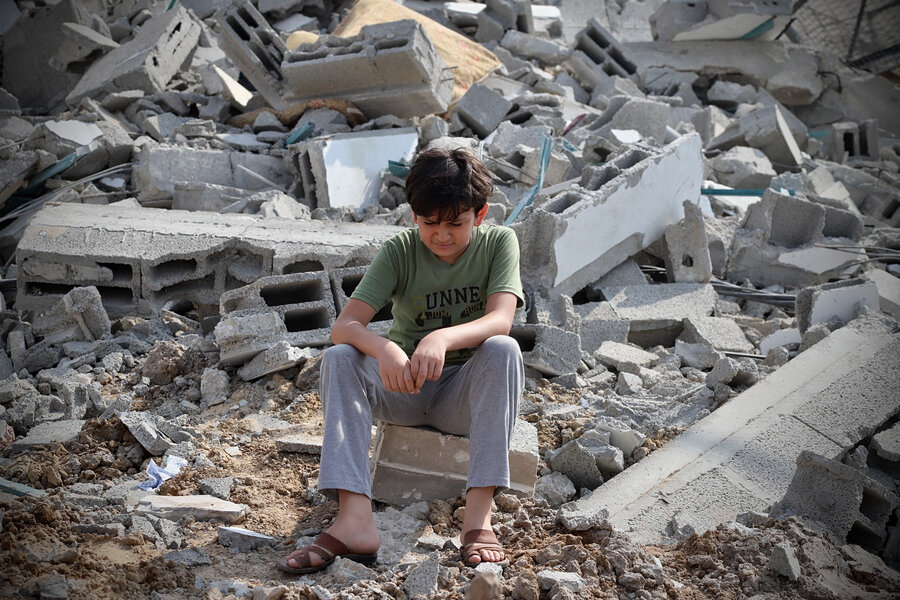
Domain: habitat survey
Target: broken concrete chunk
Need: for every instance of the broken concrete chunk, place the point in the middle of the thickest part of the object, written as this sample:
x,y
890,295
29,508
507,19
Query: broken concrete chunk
x,y
527,45
743,167
687,247
147,62
279,357
482,109
79,315
243,540
720,333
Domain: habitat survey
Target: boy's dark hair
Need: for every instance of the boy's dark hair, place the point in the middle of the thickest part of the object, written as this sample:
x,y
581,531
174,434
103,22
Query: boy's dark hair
x,y
445,183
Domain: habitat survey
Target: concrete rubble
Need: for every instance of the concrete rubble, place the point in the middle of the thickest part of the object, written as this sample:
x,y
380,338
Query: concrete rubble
x,y
707,215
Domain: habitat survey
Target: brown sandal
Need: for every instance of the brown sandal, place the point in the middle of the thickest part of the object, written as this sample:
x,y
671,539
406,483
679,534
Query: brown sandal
x,y
476,540
329,548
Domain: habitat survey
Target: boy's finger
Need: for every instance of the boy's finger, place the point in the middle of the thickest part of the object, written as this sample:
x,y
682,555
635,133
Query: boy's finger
x,y
409,385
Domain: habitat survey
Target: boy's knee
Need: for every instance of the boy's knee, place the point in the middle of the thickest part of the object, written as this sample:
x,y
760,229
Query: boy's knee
x,y
502,346
340,353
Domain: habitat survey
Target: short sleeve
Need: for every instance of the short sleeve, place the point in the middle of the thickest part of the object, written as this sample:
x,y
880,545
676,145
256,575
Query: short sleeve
x,y
504,269
380,280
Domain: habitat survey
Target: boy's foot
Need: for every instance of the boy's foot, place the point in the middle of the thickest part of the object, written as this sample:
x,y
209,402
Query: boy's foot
x,y
354,541
481,545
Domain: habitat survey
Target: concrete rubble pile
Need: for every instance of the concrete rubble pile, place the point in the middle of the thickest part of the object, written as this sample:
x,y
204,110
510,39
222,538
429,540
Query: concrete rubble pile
x,y
710,248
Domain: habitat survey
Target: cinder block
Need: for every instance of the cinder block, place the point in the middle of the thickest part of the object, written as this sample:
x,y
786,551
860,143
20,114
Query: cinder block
x,y
256,49
852,141
597,56
547,349
343,283
145,259
766,128
579,235
648,117
303,301
599,323
786,220
387,68
415,464
482,109
147,62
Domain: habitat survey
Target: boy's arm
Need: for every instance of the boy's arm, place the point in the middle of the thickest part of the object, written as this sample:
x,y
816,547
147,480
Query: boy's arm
x,y
393,364
427,361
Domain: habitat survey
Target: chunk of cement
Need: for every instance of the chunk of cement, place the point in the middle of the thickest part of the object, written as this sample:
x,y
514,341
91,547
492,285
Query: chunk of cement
x,y
79,315
611,354
554,487
279,357
551,350
422,581
482,109
201,507
243,540
838,496
717,332
743,167
656,312
886,444
782,337
784,561
698,356
303,444
687,247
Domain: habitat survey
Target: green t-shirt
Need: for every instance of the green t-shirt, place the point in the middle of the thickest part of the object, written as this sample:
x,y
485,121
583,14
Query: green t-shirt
x,y
429,294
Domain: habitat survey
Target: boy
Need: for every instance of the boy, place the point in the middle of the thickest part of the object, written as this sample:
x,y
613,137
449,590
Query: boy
x,y
449,363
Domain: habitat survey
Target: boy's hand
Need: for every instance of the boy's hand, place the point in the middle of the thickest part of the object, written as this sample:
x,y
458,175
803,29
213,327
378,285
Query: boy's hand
x,y
393,365
427,360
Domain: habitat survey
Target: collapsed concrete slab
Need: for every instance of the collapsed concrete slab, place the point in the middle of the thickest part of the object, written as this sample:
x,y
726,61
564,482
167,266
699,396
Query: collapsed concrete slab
x,y
789,72
682,21
387,68
346,169
24,55
147,62
144,259
161,168
617,209
742,457
415,464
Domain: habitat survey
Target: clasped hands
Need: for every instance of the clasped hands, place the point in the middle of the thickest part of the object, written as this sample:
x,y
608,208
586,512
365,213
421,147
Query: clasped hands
x,y
400,373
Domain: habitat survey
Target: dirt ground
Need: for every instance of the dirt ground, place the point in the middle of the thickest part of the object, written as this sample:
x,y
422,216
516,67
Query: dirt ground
x,y
56,546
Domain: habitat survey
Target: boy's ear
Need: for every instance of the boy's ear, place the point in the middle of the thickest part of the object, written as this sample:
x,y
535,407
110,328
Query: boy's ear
x,y
481,214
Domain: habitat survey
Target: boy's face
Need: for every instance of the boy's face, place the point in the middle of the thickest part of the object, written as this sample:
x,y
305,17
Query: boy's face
x,y
449,239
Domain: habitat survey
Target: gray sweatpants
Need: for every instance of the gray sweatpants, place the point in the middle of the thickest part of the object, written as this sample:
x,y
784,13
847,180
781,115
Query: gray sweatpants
x,y
479,398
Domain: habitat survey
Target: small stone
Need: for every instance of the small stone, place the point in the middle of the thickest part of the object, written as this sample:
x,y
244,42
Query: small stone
x,y
784,561
484,586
